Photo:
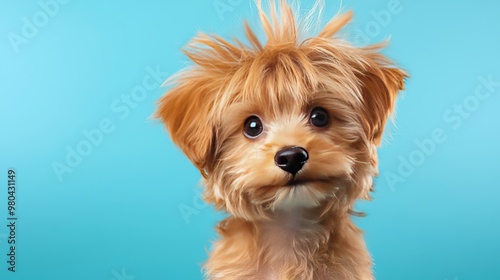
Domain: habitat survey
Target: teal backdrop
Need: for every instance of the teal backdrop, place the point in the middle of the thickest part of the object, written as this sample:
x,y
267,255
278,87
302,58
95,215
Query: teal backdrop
x,y
103,194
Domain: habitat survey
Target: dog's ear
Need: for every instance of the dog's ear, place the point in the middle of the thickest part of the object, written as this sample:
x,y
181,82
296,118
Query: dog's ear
x,y
186,112
380,84
380,81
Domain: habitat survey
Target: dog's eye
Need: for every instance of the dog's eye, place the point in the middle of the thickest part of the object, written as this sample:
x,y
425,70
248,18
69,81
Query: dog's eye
x,y
252,127
319,117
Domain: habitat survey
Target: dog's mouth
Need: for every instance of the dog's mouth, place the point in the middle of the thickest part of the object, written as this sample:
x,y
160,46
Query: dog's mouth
x,y
296,182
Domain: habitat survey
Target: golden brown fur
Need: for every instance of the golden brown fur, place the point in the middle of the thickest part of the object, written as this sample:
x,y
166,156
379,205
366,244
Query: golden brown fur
x,y
278,231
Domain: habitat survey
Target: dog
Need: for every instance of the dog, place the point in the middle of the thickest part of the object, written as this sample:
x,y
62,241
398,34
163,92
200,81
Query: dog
x,y
285,135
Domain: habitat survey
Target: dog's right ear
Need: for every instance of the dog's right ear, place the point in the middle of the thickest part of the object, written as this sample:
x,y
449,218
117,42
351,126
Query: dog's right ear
x,y
186,111
187,108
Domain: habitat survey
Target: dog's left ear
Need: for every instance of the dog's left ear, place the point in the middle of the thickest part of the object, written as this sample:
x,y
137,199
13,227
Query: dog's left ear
x,y
380,84
186,112
380,81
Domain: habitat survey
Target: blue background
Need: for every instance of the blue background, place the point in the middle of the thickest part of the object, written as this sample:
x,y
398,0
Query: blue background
x,y
116,215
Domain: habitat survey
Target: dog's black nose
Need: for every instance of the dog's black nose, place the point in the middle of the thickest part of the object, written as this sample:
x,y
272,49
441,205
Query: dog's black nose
x,y
291,159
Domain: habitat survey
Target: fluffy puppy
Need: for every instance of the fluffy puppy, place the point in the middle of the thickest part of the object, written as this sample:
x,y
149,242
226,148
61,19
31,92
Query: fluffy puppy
x,y
285,135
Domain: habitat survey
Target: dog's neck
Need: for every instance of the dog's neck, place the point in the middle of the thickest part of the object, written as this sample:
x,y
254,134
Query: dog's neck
x,y
296,233
295,244
287,224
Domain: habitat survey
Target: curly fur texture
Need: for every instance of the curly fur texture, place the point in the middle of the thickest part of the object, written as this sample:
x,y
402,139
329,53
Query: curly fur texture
x,y
277,230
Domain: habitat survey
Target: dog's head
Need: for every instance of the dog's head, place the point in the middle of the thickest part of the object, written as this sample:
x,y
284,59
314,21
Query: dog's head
x,y
283,125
